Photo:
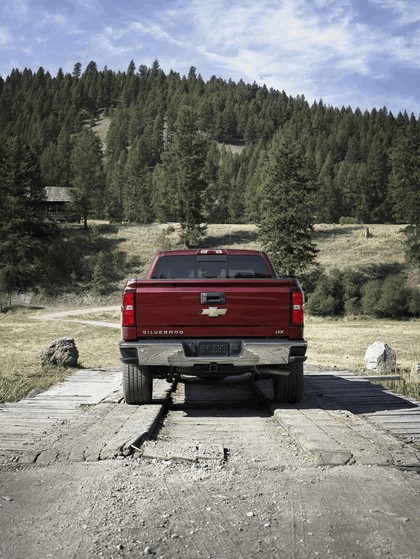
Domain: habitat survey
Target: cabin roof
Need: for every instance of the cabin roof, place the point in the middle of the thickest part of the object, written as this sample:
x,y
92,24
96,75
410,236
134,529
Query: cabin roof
x,y
57,194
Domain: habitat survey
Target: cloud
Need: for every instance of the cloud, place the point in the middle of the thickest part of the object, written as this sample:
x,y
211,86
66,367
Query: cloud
x,y
342,51
157,33
52,21
322,48
287,44
111,42
6,38
402,12
17,8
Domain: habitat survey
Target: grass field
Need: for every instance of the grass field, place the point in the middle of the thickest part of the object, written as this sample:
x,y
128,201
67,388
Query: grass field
x,y
343,246
332,343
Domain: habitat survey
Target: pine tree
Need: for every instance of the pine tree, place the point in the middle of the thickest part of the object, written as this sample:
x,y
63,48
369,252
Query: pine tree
x,y
328,209
114,192
88,177
138,186
163,193
214,200
253,171
24,234
287,220
55,161
187,155
100,280
405,184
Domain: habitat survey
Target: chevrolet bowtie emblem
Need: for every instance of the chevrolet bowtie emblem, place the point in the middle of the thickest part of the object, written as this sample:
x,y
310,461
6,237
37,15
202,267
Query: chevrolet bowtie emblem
x,y
213,312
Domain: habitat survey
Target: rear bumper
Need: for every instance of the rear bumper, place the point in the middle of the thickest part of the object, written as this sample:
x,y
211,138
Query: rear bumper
x,y
253,353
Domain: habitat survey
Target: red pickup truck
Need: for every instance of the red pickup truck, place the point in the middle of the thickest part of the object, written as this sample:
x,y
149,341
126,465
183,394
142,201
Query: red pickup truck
x,y
212,313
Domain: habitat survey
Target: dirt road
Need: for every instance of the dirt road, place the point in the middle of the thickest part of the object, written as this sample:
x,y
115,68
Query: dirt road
x,y
71,316
226,474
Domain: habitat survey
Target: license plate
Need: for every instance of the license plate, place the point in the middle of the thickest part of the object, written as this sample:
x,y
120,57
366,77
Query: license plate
x,y
213,349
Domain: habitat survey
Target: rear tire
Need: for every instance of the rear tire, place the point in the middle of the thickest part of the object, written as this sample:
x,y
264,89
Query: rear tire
x,y
137,384
289,389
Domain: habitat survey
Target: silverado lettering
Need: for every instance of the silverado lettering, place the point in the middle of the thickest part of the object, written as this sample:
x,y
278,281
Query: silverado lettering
x,y
212,313
162,332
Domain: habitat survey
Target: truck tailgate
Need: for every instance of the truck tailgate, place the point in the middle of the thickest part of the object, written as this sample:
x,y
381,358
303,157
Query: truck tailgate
x,y
234,308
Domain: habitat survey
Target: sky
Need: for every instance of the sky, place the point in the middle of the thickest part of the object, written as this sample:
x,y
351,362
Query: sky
x,y
357,53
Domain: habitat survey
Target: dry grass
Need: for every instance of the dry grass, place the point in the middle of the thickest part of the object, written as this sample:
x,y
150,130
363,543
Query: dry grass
x,y
22,340
332,343
101,128
141,242
342,343
342,246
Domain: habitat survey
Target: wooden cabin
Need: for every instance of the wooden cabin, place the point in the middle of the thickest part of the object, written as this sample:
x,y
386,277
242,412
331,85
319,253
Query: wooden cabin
x,y
57,204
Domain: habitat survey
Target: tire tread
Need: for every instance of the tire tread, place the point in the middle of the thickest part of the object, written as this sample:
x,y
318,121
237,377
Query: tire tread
x,y
137,384
289,389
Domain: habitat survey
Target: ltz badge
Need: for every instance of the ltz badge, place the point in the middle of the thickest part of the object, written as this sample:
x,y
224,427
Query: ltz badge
x,y
213,312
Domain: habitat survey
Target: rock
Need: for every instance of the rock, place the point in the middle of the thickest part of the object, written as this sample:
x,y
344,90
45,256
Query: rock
x,y
34,392
62,352
380,357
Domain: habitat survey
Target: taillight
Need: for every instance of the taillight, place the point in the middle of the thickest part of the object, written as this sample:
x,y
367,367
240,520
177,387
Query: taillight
x,y
297,308
128,309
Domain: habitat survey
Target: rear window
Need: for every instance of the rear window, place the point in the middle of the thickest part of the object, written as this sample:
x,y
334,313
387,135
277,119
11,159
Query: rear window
x,y
232,266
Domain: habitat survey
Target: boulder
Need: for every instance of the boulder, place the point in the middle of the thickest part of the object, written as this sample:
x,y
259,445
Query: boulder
x,y
62,352
381,358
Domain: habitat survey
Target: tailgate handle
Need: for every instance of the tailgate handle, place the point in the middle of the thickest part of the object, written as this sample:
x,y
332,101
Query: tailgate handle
x,y
208,298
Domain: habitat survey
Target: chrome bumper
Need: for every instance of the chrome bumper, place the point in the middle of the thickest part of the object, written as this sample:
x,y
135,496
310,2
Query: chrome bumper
x,y
254,353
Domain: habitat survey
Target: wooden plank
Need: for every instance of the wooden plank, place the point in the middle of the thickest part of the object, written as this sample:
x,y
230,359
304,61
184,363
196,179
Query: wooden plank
x,y
25,422
399,420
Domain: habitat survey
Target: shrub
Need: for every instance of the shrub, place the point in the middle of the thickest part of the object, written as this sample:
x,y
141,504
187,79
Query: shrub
x,y
348,220
394,297
327,298
351,285
310,278
414,302
371,294
352,306
99,282
387,299
344,293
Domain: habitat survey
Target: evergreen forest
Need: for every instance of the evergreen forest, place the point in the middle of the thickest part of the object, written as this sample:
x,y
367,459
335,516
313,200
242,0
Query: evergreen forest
x,y
356,166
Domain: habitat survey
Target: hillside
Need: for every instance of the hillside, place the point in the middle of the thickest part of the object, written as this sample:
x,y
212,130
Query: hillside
x,y
353,158
340,246
101,128
137,167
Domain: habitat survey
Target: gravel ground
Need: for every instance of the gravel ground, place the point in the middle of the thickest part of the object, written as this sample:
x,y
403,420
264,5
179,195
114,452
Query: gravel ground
x,y
267,498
